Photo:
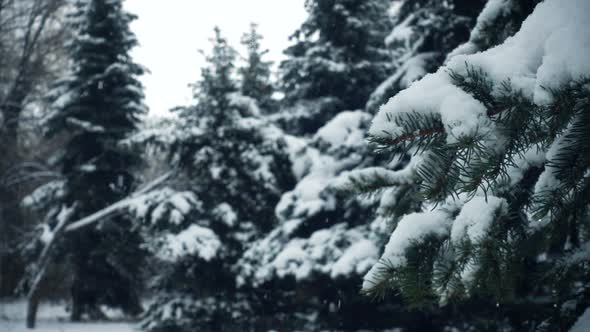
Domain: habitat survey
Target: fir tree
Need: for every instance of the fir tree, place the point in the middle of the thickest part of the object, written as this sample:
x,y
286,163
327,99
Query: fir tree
x,y
97,105
503,170
255,79
231,175
337,59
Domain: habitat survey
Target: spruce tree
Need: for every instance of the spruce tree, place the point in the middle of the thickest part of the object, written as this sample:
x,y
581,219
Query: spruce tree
x,y
97,105
231,173
255,75
500,159
337,59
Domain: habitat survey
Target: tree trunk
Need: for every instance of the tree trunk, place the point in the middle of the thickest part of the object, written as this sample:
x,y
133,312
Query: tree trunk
x,y
32,306
34,295
77,303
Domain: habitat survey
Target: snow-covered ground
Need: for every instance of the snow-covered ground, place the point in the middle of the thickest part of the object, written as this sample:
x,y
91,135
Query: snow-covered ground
x,y
55,326
53,318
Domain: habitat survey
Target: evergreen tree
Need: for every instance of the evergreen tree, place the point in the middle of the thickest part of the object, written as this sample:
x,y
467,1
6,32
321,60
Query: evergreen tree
x,y
97,105
255,79
336,61
499,157
231,175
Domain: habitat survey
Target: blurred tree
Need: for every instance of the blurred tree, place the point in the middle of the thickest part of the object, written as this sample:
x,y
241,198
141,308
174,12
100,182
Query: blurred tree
x,y
98,103
337,59
255,76
31,56
232,173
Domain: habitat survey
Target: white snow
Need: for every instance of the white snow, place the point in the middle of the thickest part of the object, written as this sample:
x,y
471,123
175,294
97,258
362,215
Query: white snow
x,y
336,251
44,193
404,176
305,199
491,10
88,168
249,105
472,223
65,213
360,257
583,322
548,179
402,33
195,240
412,227
183,201
226,213
159,130
340,143
394,8
163,201
64,99
411,69
85,125
65,326
86,38
414,68
53,317
293,260
344,129
530,158
551,48
476,217
296,147
461,113
46,234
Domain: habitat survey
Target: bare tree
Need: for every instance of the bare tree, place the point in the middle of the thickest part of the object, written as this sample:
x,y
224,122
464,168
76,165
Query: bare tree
x,y
31,54
29,29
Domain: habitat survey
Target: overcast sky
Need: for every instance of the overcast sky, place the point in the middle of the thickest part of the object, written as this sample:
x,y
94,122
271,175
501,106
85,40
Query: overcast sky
x,y
171,32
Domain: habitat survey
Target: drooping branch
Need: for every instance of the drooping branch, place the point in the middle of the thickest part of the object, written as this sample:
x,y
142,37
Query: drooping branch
x,y
101,214
62,228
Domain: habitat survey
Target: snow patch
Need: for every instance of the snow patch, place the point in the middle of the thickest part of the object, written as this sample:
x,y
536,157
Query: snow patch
x,y
412,227
195,240
476,217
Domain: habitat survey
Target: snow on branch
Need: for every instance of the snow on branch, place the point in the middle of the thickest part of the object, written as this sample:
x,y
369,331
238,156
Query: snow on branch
x,y
124,203
84,125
